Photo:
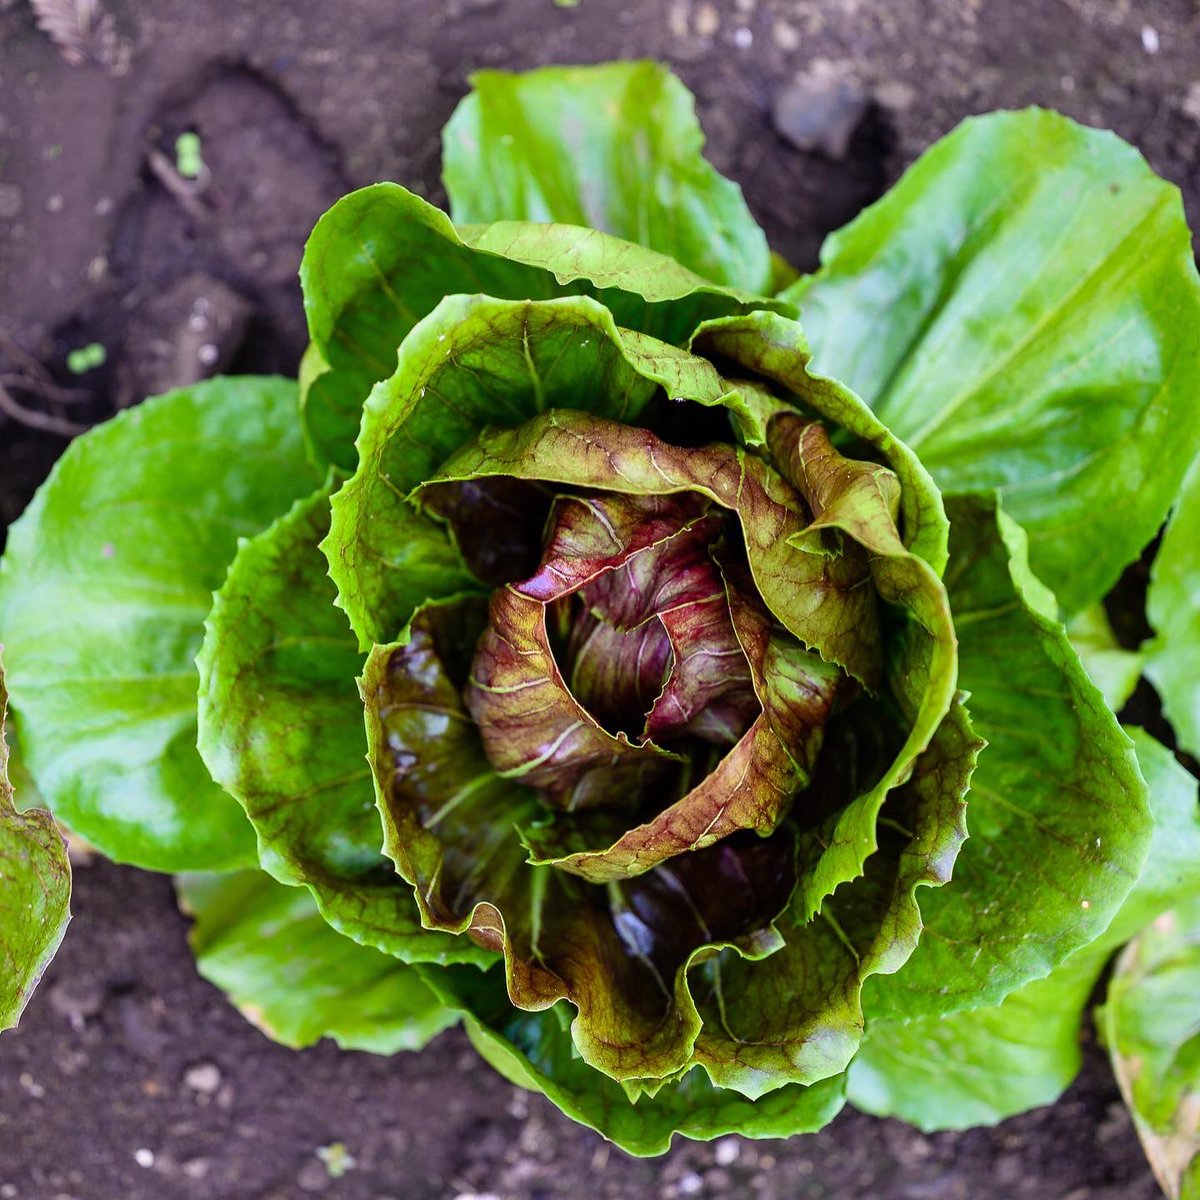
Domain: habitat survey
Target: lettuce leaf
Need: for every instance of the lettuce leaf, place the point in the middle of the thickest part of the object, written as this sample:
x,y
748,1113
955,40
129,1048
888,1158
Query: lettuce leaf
x,y
35,889
1152,1028
104,587
381,260
1058,820
980,1065
1021,309
1173,656
267,947
614,147
281,728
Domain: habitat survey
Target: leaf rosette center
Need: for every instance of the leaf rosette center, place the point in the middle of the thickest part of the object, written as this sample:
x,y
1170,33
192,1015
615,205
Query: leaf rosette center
x,y
641,753
636,673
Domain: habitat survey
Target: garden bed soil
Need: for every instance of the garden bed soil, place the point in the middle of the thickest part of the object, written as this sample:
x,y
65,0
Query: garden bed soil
x,y
129,1076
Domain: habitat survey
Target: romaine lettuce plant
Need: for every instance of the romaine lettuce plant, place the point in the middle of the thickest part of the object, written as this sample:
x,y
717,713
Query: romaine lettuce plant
x,y
659,670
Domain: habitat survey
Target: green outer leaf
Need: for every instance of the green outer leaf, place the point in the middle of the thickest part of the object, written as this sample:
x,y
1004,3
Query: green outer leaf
x,y
267,947
381,259
281,728
1021,309
534,1051
1152,1028
1113,670
475,362
1173,657
1059,825
978,1066
35,890
104,588
615,147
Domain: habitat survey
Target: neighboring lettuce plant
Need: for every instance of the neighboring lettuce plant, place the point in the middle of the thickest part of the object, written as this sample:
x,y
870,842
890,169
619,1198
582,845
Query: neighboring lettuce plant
x,y
602,658
1152,1026
35,887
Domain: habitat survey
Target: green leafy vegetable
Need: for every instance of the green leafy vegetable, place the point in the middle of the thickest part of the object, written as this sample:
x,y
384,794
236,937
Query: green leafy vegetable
x,y
294,977
1153,1032
1021,308
381,259
1058,785
281,727
1113,670
104,587
35,889
1173,657
644,820
614,148
589,662
980,1065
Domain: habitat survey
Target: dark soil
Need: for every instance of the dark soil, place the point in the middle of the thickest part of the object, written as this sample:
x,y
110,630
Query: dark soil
x,y
297,101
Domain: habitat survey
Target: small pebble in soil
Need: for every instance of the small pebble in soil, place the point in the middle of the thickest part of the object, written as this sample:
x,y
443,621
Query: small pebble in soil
x,y
144,1157
726,1151
820,111
1150,41
787,37
707,20
896,94
203,1077
1191,102
12,200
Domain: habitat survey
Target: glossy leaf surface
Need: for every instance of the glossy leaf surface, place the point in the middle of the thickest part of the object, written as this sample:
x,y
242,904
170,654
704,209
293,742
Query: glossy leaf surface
x,y
104,588
614,147
980,1065
1021,309
1173,606
266,946
1057,812
35,890
281,727
381,260
475,363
